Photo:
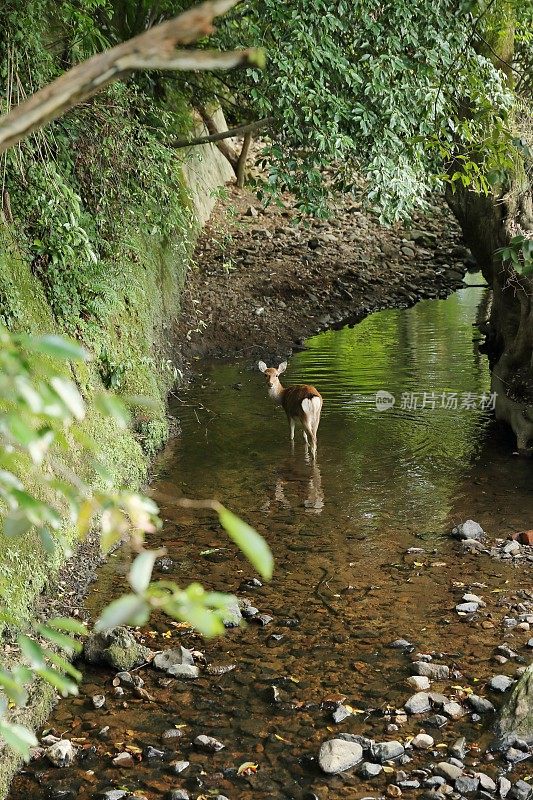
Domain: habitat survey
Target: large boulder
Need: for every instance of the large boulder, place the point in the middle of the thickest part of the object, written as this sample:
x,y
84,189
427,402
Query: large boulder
x,y
516,715
116,647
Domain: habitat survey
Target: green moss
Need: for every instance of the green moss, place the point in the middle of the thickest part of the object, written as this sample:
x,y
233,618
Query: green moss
x,y
130,355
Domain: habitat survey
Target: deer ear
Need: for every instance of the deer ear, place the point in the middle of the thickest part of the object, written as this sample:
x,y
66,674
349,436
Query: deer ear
x,y
262,366
282,367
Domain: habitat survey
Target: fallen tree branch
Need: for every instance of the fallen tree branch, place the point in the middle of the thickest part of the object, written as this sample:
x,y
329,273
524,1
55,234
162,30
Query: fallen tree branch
x,y
217,137
223,145
153,49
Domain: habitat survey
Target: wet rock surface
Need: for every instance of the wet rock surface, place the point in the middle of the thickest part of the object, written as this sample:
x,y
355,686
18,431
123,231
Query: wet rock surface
x,y
116,647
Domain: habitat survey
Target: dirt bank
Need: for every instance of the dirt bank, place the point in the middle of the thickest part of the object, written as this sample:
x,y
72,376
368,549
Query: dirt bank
x,y
261,284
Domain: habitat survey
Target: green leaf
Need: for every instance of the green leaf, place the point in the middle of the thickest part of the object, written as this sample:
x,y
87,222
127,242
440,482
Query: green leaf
x,y
70,396
47,540
249,541
68,624
56,679
64,665
207,622
13,687
18,738
16,524
112,407
56,346
60,639
32,650
140,572
127,610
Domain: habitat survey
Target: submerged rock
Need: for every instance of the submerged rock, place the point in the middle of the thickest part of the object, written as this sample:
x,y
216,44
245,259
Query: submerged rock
x,y
116,647
61,754
516,716
338,755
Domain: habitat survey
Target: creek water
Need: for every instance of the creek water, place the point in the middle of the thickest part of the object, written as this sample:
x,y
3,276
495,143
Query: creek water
x,y
345,584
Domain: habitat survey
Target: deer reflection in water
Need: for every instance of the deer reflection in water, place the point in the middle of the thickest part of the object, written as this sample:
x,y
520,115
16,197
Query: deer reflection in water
x,y
298,483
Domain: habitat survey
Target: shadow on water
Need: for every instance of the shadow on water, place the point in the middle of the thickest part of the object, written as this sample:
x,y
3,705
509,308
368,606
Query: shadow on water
x,y
344,585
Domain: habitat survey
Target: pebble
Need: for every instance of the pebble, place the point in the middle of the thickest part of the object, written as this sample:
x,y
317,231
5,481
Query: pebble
x,y
98,700
504,786
61,753
437,721
409,784
114,794
486,782
513,755
338,755
262,619
448,771
123,759
458,748
522,790
340,714
179,794
434,780
185,671
423,741
500,683
468,530
370,770
153,752
466,784
179,766
511,548
400,644
480,704
436,672
169,658
466,608
387,751
393,790
453,710
208,743
419,682
171,733
473,598
418,703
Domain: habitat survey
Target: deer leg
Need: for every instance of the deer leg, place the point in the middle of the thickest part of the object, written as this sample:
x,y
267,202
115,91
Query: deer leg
x,y
292,424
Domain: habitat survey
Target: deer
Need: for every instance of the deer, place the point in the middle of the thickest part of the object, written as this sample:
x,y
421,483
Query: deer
x,y
301,402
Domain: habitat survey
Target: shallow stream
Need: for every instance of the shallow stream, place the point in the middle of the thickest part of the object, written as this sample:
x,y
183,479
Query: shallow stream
x,y
344,585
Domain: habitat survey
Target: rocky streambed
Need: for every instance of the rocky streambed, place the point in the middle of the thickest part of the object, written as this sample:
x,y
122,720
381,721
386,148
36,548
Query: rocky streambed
x,y
377,661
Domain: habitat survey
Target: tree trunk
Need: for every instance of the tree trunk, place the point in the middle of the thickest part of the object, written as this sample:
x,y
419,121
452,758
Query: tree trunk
x,y
489,222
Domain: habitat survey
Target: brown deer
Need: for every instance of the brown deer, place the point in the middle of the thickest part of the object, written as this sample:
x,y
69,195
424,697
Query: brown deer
x,y
301,402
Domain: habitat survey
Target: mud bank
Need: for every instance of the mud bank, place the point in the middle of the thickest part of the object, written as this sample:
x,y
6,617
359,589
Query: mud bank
x,y
261,284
